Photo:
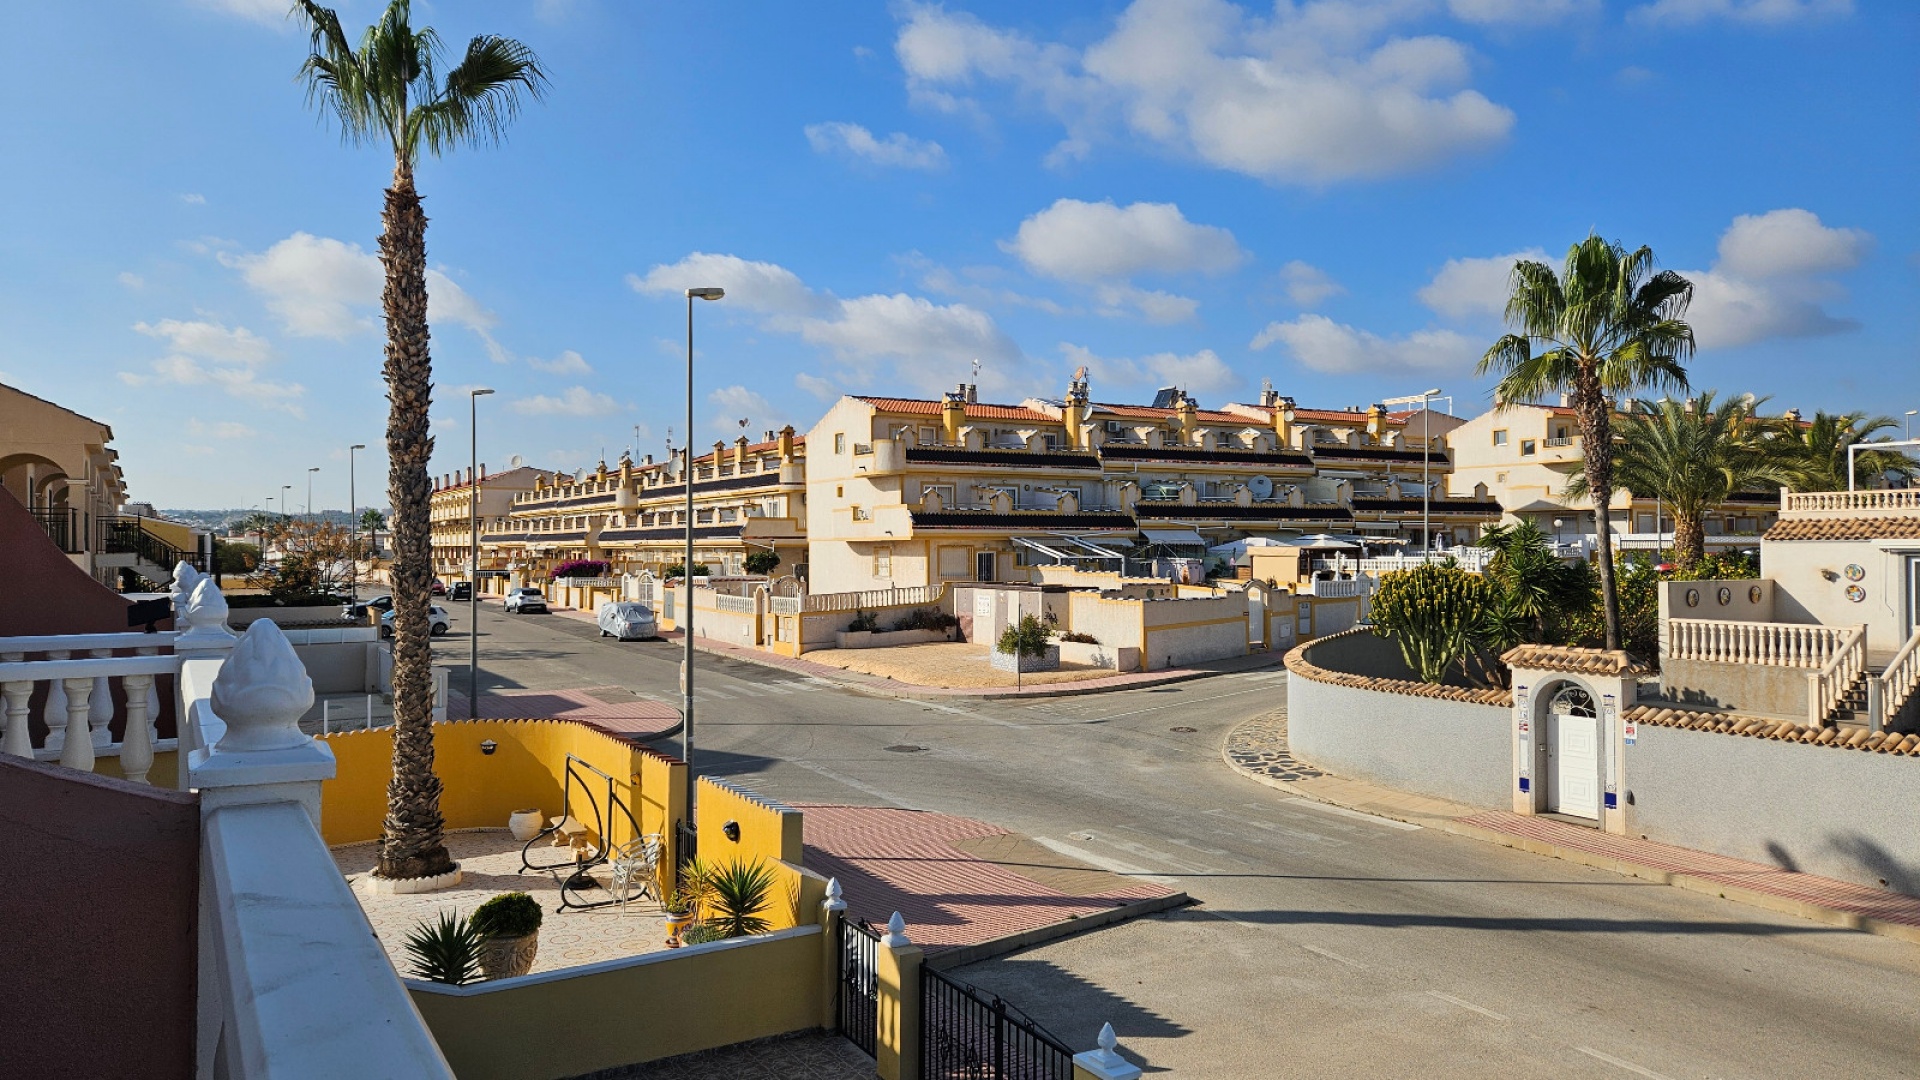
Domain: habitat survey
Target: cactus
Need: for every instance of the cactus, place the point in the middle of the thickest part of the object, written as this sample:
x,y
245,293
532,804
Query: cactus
x,y
1434,612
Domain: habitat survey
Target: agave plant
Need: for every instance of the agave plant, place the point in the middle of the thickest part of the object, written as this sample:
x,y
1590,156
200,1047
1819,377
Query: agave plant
x,y
740,892
446,950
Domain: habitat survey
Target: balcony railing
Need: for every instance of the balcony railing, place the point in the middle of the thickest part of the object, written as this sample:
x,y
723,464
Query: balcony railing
x,y
63,527
1563,440
1767,644
1824,503
129,536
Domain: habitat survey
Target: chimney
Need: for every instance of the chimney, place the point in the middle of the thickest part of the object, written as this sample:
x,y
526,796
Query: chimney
x,y
483,470
973,394
1566,401
786,444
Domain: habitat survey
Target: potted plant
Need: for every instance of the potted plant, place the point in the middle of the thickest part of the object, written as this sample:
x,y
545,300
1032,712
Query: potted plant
x,y
740,891
447,950
685,899
511,925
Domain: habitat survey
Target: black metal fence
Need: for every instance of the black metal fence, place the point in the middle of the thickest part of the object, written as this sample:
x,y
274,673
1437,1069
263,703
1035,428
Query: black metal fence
x,y
63,527
968,1034
126,535
857,1005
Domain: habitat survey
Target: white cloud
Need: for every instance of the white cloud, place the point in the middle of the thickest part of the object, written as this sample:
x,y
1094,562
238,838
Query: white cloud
x,y
733,404
1761,12
321,287
575,401
927,345
1315,94
1468,287
210,340
1198,373
1518,12
760,287
1790,241
817,386
1728,310
567,363
1154,305
1082,241
898,150
220,429
1307,285
239,382
1321,344
192,198
132,280
969,284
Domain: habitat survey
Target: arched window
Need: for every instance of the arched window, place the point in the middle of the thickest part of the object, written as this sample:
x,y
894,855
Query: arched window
x,y
1572,701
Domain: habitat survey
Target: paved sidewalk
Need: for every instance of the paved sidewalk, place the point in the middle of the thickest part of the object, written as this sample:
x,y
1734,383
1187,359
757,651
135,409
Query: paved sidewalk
x,y
1258,749
611,709
965,885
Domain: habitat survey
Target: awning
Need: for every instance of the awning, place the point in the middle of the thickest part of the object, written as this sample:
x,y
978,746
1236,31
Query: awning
x,y
1173,537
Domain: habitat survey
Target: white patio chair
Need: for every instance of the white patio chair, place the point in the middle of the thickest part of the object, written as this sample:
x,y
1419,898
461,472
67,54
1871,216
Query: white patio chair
x,y
635,864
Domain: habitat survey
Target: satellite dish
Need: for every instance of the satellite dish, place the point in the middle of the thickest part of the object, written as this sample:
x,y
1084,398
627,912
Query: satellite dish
x,y
1261,486
516,461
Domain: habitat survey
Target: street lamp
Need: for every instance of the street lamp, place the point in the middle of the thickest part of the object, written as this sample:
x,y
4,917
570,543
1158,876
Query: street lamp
x,y
353,529
1910,416
284,488
1426,461
686,577
310,473
473,552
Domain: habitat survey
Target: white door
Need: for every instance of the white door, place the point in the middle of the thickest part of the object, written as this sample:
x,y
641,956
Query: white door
x,y
1573,745
1913,595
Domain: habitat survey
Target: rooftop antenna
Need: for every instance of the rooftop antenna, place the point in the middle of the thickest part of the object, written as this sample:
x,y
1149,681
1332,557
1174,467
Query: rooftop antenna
x,y
976,369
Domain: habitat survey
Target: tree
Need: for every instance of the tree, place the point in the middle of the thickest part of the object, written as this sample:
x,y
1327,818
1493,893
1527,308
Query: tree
x,y
761,561
1607,325
314,559
1692,456
1816,452
231,557
390,91
1538,587
371,522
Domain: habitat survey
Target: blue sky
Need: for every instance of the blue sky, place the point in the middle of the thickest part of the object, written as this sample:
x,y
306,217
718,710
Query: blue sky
x,y
1326,195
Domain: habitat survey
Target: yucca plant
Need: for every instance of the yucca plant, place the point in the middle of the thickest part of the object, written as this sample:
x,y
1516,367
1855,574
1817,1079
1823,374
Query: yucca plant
x,y
1435,612
741,891
446,950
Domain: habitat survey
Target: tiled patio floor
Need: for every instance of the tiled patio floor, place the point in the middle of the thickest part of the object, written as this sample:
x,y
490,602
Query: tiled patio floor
x,y
797,1057
489,858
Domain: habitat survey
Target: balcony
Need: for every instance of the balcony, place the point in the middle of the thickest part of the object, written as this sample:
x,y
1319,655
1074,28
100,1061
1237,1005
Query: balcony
x,y
1894,502
64,528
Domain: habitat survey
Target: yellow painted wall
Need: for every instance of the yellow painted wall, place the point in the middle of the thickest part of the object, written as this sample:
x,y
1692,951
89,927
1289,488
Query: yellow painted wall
x,y
769,831
164,773
525,771
695,999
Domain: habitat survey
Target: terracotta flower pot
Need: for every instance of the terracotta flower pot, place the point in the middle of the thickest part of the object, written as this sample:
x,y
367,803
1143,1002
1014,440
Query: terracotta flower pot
x,y
506,957
524,824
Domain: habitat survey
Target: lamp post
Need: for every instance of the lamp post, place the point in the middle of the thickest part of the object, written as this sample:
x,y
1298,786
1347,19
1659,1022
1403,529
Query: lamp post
x,y
310,473
353,530
686,578
284,488
1426,462
1910,416
473,552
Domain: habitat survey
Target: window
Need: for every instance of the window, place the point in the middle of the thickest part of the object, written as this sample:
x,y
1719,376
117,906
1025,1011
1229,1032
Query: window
x,y
839,491
945,491
861,513
1643,523
929,436
883,562
726,513
1499,478
983,566
953,562
839,442
1499,438
1527,447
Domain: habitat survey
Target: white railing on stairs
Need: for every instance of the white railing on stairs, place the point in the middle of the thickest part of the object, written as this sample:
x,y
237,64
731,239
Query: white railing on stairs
x,y
1894,687
1769,644
1827,686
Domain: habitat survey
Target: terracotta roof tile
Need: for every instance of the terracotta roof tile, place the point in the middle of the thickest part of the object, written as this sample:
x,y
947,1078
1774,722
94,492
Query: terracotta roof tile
x,y
1577,661
976,411
1860,528
1298,663
1760,727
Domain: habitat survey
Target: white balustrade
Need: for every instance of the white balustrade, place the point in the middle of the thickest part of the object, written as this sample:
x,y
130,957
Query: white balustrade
x,y
54,710
1827,686
1816,503
1768,644
875,598
1338,588
1896,684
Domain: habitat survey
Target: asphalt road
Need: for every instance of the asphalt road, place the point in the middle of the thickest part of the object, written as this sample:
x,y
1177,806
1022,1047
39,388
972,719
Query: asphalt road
x,y
1325,944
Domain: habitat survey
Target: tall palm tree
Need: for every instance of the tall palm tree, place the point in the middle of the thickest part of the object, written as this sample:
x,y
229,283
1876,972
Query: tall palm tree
x,y
390,90
1816,451
1606,326
1693,455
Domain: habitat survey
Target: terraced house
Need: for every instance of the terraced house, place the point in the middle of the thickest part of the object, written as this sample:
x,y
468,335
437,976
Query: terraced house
x,y
452,510
746,497
907,492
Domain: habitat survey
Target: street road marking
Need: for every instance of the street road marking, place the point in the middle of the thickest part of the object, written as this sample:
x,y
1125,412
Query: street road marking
x,y
957,711
705,692
1331,955
776,688
1132,848
1102,861
884,796
1173,705
1329,808
1618,1063
1451,1000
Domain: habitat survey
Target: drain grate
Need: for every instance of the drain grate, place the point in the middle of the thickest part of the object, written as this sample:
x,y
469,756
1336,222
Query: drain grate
x,y
1183,730
904,748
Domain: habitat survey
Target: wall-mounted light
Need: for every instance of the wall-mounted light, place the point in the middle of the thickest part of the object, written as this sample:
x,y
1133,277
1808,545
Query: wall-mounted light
x,y
732,831
1830,575
488,746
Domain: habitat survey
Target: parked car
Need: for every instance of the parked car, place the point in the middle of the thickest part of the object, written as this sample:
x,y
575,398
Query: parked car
x,y
438,588
358,611
627,620
438,625
462,590
526,600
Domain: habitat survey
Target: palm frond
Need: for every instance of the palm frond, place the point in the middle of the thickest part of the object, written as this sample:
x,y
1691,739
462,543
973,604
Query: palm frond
x,y
480,96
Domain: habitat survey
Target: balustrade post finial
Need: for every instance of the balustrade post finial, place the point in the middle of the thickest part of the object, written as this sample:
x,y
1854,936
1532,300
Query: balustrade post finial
x,y
1105,1063
896,935
206,620
261,692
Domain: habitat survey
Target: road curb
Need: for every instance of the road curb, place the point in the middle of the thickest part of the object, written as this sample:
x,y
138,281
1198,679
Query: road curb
x,y
1828,916
1065,928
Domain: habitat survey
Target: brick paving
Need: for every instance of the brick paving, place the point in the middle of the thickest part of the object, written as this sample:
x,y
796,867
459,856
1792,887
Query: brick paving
x,y
1825,892
919,864
609,708
788,1057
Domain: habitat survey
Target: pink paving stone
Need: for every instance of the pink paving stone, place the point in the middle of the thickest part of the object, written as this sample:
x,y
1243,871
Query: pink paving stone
x,y
639,717
891,860
1827,892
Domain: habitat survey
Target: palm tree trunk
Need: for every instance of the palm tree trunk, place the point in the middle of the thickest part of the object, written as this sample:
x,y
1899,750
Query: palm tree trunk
x,y
414,844
1689,540
1593,411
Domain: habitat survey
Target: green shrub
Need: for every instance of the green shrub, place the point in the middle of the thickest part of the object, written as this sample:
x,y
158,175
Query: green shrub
x,y
925,619
700,933
446,951
761,561
513,914
740,892
1025,638
863,622
1080,639
1435,613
